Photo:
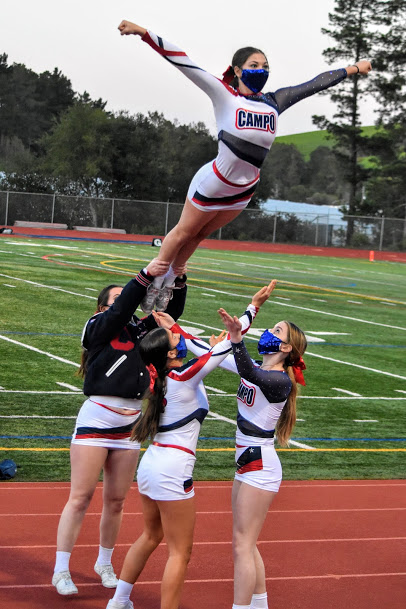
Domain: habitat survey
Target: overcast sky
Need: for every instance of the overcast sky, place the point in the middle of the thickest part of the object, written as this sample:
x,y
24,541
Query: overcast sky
x,y
80,37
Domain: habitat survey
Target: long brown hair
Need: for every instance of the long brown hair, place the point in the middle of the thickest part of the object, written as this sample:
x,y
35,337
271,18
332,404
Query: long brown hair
x,y
287,419
154,349
102,301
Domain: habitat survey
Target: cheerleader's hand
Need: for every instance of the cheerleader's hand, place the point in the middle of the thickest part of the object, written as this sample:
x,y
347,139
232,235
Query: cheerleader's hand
x,y
157,267
126,28
163,319
213,340
232,324
263,294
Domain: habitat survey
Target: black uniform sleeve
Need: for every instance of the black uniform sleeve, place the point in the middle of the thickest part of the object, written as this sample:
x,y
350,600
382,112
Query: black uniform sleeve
x,y
274,384
288,96
103,327
177,303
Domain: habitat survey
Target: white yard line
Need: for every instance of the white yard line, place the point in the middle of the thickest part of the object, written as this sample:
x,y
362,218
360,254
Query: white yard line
x,y
51,355
338,361
346,391
319,312
71,387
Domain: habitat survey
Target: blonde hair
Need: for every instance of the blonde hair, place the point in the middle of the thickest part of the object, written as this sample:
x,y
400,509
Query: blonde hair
x,y
287,419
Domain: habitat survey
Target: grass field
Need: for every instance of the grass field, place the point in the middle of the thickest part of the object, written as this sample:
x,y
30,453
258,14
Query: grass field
x,y
351,413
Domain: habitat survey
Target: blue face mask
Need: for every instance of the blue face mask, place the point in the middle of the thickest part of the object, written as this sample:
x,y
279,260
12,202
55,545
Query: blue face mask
x,y
254,79
269,343
181,347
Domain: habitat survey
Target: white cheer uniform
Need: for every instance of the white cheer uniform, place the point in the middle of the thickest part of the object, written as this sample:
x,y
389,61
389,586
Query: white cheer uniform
x,y
246,126
261,396
166,469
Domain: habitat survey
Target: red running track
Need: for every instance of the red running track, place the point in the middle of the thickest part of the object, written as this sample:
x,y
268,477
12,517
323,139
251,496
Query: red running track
x,y
326,545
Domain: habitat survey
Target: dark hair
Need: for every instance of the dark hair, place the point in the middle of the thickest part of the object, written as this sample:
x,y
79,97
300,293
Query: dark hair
x,y
154,349
102,301
239,59
287,420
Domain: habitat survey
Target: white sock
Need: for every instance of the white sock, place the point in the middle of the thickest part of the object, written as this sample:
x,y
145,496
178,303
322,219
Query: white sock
x,y
259,601
123,591
158,282
104,557
170,277
62,562
241,606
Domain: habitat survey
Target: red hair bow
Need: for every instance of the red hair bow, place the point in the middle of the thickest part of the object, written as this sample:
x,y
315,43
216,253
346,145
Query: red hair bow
x,y
153,375
228,75
297,371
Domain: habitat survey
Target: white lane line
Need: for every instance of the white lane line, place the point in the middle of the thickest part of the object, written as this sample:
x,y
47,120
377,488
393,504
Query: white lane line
x,y
33,416
72,387
345,391
49,287
319,312
220,417
214,389
42,392
325,397
60,359
332,576
338,361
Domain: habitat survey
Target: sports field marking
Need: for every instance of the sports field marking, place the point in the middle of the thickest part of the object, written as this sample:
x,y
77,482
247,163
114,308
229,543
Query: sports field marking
x,y
8,285
354,302
158,582
30,348
365,420
300,308
72,387
337,361
204,543
400,390
326,267
319,299
214,389
49,287
34,416
390,304
346,391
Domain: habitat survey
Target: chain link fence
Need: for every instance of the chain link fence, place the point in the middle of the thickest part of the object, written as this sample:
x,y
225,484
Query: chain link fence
x,y
158,218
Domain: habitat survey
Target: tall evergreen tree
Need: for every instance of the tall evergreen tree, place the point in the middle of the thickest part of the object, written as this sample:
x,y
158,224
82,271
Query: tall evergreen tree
x,y
386,190
354,29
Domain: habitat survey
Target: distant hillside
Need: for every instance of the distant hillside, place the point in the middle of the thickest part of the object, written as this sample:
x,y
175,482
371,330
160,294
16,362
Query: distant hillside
x,y
307,142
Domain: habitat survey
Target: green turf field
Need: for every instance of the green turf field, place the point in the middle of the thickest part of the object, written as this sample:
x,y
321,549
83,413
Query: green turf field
x,y
351,413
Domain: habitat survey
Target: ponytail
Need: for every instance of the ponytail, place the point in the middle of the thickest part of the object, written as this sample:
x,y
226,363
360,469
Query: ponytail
x,y
154,349
287,419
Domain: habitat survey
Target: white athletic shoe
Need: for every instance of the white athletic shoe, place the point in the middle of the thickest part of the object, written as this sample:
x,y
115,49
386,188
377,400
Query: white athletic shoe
x,y
108,577
149,299
63,583
112,604
163,298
